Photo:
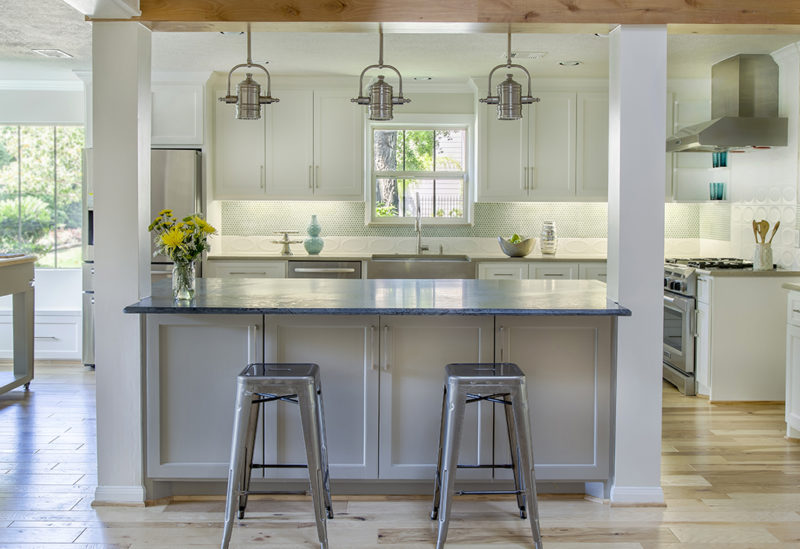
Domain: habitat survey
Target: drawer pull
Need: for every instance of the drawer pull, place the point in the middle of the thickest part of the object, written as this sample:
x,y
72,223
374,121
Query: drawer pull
x,y
48,338
324,270
503,274
553,274
233,273
796,311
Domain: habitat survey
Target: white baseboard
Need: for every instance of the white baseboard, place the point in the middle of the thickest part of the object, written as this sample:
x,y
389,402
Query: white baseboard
x,y
119,495
637,495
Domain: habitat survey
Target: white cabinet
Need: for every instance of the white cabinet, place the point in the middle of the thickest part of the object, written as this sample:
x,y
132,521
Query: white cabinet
x,y
702,349
192,364
555,270
793,366
414,352
306,146
177,114
346,350
542,270
218,268
558,151
57,335
593,271
566,361
501,271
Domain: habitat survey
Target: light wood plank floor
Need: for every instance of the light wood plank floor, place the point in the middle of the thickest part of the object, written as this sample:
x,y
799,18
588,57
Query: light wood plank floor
x,y
730,478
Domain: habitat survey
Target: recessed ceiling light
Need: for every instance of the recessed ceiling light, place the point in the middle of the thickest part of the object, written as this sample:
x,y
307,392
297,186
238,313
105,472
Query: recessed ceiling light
x,y
53,53
524,54
572,63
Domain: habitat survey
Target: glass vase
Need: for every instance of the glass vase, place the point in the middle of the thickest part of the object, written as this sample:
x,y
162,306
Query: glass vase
x,y
183,280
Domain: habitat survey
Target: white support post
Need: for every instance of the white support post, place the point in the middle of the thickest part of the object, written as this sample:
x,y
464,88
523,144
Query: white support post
x,y
637,137
121,128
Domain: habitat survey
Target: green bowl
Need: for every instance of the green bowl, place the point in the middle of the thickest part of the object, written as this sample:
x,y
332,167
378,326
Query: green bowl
x,y
516,249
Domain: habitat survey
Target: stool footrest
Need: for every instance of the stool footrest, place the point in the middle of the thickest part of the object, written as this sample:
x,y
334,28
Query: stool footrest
x,y
487,466
278,466
487,492
273,492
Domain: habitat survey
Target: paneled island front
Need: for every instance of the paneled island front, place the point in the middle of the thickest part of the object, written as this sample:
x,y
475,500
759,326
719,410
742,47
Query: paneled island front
x,y
381,346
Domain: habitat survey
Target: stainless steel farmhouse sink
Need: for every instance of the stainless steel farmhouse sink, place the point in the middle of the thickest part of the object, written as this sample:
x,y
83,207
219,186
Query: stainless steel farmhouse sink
x,y
420,266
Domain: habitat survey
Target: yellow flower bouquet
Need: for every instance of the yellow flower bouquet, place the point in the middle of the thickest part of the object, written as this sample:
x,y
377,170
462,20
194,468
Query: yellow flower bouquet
x,y
183,242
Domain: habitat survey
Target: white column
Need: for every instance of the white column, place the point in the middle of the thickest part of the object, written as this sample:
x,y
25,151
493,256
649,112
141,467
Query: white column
x,y
121,120
637,137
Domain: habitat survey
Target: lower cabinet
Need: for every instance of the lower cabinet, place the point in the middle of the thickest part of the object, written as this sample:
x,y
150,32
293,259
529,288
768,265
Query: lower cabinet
x,y
542,270
793,382
245,269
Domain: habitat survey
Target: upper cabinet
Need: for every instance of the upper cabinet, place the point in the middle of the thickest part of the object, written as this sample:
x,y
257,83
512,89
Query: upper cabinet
x,y
307,146
558,151
177,114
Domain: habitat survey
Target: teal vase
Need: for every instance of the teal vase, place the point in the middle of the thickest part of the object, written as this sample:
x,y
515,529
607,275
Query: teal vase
x,y
313,244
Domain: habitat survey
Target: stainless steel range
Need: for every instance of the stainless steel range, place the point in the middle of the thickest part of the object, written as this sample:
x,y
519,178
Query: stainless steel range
x,y
680,316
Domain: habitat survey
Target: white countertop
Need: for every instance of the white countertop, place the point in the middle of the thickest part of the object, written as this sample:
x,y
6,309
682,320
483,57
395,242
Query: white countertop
x,y
480,256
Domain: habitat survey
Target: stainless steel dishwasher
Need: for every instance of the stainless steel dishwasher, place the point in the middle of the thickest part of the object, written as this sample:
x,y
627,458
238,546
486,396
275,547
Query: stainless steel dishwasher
x,y
324,269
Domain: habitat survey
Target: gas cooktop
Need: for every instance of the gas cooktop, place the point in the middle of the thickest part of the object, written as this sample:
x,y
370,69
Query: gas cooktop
x,y
712,263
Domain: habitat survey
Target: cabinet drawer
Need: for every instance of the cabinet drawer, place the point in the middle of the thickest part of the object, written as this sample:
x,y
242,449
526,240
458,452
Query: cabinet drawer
x,y
246,269
704,290
554,271
503,271
57,336
593,271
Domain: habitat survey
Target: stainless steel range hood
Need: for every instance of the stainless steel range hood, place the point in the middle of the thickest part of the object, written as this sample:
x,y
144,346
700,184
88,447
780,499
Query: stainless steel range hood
x,y
744,109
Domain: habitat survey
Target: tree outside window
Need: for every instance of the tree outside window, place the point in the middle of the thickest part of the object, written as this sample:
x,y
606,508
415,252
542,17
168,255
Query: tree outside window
x,y
40,193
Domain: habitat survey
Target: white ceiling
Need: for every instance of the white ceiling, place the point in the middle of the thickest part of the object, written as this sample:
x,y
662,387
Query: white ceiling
x,y
54,24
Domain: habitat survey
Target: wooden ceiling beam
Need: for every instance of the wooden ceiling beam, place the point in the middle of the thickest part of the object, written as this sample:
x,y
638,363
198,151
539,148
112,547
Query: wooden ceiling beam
x,y
564,12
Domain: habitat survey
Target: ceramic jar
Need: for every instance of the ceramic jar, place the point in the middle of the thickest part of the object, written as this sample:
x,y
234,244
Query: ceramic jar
x,y
548,241
313,244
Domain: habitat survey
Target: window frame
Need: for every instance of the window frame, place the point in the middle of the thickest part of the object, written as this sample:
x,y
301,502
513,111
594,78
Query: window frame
x,y
421,122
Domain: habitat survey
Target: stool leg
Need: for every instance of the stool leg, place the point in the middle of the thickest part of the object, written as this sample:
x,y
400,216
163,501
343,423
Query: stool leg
x,y
519,400
252,425
326,468
309,416
235,469
456,403
512,442
437,481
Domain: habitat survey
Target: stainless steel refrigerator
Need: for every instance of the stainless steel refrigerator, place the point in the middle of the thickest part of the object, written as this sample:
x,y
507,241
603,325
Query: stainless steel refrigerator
x,y
175,183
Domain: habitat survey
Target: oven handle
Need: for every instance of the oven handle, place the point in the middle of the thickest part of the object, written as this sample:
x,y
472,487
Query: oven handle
x,y
669,299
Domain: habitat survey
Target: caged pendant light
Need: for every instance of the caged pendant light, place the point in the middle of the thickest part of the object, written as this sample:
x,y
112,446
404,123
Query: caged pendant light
x,y
380,101
248,98
509,98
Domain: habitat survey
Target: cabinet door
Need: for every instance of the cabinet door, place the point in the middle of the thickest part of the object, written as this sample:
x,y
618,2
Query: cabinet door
x,y
245,269
703,349
346,350
338,136
566,361
593,271
554,271
177,114
239,169
414,352
591,179
506,147
290,142
503,271
192,364
552,146
793,381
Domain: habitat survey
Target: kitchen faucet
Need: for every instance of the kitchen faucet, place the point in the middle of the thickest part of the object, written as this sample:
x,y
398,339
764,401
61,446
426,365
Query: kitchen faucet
x,y
418,230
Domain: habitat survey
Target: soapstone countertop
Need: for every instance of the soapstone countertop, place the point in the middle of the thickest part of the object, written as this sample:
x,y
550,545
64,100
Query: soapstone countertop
x,y
385,297
338,256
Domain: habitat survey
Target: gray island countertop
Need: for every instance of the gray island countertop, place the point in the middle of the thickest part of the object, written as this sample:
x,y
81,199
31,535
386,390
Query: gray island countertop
x,y
386,297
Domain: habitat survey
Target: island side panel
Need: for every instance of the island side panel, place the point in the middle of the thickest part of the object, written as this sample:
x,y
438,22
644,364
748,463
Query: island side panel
x,y
192,364
567,365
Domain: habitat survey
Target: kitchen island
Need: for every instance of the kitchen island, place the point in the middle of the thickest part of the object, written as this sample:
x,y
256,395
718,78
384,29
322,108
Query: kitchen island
x,y
16,279
382,346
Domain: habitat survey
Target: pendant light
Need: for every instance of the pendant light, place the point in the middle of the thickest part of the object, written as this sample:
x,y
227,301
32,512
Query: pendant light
x,y
380,100
248,98
509,98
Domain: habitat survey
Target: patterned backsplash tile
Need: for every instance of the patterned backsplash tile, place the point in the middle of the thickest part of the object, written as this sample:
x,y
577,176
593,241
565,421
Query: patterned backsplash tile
x,y
573,219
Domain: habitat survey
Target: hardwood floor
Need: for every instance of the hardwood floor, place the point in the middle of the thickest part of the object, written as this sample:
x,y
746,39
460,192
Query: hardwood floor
x,y
730,478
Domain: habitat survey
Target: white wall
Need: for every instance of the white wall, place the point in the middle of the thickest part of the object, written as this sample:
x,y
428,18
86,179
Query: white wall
x,y
41,106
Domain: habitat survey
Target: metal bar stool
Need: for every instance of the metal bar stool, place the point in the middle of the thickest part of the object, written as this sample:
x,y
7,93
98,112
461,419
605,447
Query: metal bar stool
x,y
261,383
501,383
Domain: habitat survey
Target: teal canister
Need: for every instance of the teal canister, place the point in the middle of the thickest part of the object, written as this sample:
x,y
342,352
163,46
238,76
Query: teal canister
x,y
313,244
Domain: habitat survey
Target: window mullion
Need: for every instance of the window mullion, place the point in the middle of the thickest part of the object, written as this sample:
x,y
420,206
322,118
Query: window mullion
x,y
55,198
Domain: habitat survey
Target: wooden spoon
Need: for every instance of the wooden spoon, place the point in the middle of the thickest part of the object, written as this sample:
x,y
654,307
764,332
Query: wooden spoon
x,y
763,229
755,230
774,230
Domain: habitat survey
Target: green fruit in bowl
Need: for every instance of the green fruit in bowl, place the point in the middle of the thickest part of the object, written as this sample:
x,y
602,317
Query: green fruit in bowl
x,y
515,238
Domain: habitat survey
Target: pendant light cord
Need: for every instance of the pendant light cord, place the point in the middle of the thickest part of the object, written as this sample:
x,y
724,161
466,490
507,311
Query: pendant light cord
x,y
380,47
250,57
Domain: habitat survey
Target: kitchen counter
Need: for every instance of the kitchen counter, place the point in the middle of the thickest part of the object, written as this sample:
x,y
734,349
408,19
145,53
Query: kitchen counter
x,y
480,256
386,297
793,286
746,273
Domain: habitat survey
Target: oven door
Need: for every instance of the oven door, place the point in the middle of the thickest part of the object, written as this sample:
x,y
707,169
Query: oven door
x,y
679,331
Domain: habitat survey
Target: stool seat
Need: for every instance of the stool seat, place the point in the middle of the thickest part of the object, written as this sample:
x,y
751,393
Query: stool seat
x,y
500,383
256,385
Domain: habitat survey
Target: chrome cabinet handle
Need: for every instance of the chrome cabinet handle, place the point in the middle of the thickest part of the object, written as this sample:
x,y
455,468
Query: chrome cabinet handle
x,y
310,177
235,273
796,310
532,185
503,274
502,330
48,338
316,177
386,364
525,179
552,274
324,270
373,348
261,177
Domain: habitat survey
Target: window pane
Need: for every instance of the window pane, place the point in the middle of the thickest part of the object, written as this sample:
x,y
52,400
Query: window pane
x,y
421,189
37,200
388,150
419,150
450,198
9,190
450,145
387,197
69,152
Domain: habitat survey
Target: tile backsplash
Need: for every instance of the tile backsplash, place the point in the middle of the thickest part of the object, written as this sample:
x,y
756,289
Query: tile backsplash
x,y
573,219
